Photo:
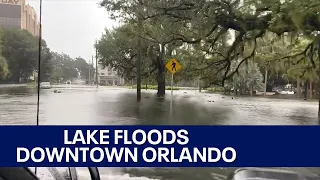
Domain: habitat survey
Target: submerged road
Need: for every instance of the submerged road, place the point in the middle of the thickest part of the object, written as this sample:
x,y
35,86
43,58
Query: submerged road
x,y
82,105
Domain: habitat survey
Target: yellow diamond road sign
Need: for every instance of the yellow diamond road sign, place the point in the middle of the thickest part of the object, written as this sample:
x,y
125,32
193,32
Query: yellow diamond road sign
x,y
173,66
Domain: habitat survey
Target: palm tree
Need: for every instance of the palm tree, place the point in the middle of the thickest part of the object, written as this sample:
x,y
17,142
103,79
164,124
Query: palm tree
x,y
249,79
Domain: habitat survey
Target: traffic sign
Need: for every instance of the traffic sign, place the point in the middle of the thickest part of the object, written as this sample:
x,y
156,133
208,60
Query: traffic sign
x,y
173,66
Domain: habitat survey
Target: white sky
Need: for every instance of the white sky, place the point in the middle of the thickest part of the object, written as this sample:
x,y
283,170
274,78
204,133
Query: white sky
x,y
72,26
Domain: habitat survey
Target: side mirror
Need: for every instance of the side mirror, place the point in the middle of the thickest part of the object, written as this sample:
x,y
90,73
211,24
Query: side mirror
x,y
94,173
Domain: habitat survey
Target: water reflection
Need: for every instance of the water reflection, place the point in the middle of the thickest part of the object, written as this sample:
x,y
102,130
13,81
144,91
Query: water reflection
x,y
105,106
16,91
119,106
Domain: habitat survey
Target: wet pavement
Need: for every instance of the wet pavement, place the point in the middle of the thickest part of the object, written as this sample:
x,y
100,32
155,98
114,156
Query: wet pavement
x,y
82,105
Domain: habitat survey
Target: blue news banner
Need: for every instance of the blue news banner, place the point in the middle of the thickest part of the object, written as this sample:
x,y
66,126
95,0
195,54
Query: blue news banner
x,y
160,146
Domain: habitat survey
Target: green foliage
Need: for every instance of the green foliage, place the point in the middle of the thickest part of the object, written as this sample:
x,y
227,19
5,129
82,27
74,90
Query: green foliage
x,y
64,68
248,78
19,53
301,67
117,50
45,62
4,71
20,49
83,68
223,43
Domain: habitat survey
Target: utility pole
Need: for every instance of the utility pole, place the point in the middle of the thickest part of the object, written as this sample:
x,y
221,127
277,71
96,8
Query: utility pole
x,y
89,79
92,69
138,64
97,85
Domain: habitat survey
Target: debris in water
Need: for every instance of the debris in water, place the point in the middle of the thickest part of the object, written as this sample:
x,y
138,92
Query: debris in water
x,y
56,91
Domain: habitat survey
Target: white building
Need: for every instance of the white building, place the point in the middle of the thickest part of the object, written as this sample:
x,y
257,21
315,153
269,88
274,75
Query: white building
x,y
107,76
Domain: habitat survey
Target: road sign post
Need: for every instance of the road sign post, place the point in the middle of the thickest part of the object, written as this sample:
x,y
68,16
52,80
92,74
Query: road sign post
x,y
173,66
171,88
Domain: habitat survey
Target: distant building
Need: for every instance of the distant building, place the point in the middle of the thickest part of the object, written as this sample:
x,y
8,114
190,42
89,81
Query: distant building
x,y
107,76
17,14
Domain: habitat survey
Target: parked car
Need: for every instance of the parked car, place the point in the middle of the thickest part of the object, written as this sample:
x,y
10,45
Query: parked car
x,y
45,85
286,92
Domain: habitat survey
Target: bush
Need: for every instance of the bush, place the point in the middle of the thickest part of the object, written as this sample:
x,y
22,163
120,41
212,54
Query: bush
x,y
214,89
173,88
153,87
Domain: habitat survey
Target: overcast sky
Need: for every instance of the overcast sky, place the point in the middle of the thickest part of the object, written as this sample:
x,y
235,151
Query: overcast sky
x,y
72,26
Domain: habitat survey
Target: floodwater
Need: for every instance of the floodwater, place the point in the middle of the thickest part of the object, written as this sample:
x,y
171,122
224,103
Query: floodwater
x,y
82,105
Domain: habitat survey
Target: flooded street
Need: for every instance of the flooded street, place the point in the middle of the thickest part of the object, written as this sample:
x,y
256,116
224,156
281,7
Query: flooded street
x,y
110,106
118,106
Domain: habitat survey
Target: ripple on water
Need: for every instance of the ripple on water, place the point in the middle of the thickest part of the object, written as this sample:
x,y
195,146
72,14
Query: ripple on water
x,y
118,106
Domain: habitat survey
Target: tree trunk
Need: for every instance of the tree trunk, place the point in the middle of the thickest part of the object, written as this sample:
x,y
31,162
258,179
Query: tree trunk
x,y
235,89
265,82
311,89
199,84
298,87
319,80
161,76
161,85
305,90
